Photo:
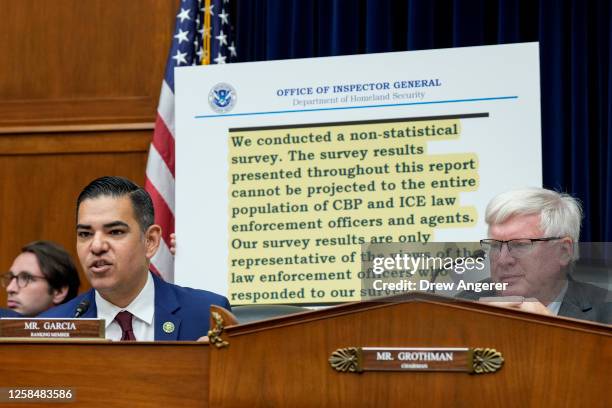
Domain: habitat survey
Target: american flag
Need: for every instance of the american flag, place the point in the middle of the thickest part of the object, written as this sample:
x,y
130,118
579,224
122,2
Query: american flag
x,y
203,35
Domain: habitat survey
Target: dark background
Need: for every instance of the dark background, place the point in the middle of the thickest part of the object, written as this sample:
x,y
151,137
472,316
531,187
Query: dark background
x,y
575,76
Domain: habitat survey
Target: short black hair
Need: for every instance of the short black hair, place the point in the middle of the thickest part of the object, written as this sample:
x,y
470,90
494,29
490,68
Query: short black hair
x,y
119,187
56,265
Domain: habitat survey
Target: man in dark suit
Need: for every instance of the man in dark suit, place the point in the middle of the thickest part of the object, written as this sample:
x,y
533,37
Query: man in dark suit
x,y
116,238
581,301
532,247
8,313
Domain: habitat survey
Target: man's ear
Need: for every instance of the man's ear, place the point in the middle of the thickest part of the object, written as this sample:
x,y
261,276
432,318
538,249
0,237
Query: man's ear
x,y
566,251
59,295
152,240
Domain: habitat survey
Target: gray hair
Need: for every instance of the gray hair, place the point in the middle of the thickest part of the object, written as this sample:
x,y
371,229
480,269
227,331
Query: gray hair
x,y
560,213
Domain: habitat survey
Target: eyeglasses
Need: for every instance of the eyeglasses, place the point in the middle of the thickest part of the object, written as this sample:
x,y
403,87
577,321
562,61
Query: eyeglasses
x,y
517,248
23,279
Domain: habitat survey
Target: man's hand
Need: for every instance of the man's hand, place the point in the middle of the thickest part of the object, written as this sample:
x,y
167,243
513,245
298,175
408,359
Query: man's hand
x,y
173,243
204,339
531,305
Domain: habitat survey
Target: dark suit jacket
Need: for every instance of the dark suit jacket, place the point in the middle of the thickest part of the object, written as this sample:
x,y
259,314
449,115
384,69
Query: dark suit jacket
x,y
8,313
581,301
186,308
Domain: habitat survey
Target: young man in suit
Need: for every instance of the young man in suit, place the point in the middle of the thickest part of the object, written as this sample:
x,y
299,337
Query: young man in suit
x,y
116,238
41,276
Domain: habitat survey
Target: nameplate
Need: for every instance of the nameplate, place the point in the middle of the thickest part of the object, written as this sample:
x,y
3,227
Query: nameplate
x,y
458,359
40,328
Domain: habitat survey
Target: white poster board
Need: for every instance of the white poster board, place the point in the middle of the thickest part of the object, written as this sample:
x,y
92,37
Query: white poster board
x,y
285,167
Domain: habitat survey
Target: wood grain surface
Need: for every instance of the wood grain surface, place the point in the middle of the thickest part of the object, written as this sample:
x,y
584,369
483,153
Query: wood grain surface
x,y
283,362
107,374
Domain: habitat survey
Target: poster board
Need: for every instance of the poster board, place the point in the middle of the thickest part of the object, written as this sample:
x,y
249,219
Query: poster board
x,y
284,168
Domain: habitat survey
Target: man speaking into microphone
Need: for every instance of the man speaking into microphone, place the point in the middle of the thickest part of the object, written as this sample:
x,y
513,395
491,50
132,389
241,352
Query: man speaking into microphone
x,y
116,238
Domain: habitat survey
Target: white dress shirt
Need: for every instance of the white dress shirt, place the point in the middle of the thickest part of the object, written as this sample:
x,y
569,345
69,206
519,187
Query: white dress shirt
x,y
142,308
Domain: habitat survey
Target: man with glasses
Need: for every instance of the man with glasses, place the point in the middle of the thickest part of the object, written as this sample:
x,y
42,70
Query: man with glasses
x,y
41,277
532,247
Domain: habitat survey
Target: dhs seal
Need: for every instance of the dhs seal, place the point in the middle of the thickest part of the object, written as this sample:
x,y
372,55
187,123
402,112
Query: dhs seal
x,y
222,98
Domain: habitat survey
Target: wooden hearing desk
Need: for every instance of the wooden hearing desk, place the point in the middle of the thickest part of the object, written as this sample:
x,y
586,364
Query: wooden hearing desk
x,y
284,362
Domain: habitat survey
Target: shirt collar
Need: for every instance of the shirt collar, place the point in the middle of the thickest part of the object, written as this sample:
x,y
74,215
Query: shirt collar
x,y
555,305
142,307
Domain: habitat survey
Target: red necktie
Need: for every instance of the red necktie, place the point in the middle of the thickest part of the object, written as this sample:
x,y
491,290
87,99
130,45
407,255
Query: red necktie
x,y
125,321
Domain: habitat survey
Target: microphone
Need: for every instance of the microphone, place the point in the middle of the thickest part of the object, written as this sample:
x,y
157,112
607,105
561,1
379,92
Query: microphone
x,y
81,308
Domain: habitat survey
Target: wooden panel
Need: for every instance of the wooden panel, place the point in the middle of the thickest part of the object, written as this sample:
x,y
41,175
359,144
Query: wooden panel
x,y
141,375
83,142
41,176
284,362
80,62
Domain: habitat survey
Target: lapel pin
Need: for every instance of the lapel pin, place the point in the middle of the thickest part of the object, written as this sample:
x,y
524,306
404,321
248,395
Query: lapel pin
x,y
168,327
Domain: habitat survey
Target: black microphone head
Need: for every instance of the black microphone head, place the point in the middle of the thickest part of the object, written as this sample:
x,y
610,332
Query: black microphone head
x,y
81,308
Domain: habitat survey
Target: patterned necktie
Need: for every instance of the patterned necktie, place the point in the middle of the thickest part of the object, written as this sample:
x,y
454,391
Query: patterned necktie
x,y
125,321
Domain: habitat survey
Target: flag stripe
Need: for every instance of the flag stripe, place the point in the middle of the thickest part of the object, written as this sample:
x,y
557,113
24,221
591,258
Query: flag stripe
x,y
160,176
164,144
192,43
165,108
163,216
152,267
163,261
